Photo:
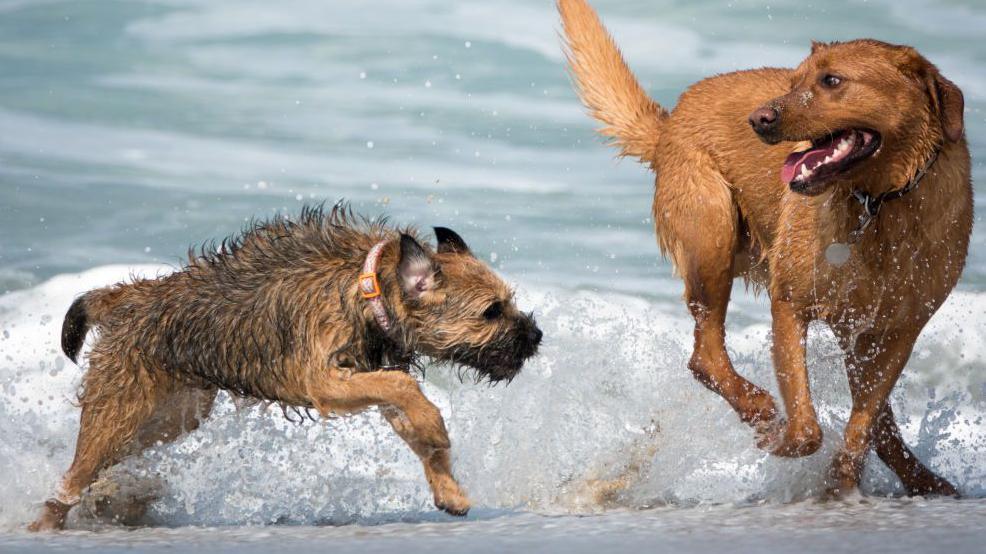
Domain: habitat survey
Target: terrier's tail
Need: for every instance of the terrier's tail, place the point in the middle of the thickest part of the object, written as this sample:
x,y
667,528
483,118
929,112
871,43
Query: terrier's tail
x,y
87,310
607,86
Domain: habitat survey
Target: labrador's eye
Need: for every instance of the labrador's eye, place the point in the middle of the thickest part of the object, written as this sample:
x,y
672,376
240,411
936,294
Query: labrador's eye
x,y
494,311
831,81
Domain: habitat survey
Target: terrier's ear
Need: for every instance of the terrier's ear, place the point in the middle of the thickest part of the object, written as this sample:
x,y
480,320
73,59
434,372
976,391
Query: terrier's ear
x,y
415,270
450,242
816,46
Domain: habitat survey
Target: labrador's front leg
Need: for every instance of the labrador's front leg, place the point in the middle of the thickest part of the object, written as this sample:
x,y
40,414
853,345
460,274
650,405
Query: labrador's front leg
x,y
801,435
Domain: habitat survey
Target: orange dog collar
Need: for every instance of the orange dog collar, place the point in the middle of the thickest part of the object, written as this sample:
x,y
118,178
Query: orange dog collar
x,y
369,286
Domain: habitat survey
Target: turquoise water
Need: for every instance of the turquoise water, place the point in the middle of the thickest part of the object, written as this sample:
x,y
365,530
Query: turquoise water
x,y
130,130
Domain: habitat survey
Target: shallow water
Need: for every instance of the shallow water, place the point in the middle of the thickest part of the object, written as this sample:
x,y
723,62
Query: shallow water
x,y
131,129
859,526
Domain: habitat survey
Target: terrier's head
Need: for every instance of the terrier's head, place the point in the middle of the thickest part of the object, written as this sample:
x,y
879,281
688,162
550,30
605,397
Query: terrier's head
x,y
459,311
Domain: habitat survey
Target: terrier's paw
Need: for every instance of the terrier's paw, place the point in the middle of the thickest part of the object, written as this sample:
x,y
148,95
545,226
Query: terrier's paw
x,y
52,517
453,503
42,524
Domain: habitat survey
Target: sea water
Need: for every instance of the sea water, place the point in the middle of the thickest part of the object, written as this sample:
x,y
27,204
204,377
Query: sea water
x,y
130,130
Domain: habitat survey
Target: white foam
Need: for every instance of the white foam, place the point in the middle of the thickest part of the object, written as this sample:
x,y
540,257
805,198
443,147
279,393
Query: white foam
x,y
608,398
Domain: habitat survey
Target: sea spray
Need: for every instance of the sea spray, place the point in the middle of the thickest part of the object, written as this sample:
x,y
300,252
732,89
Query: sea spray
x,y
607,416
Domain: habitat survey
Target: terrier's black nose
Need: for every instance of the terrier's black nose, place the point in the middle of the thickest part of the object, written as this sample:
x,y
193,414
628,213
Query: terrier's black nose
x,y
764,120
535,335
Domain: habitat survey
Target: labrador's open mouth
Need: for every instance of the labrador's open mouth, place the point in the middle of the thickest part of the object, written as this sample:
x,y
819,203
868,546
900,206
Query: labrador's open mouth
x,y
828,157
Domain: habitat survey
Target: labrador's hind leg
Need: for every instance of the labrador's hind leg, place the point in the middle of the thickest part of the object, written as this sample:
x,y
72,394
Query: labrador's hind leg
x,y
874,364
698,225
916,477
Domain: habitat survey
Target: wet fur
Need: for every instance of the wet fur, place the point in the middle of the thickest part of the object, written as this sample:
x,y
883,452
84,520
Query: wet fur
x,y
721,211
276,314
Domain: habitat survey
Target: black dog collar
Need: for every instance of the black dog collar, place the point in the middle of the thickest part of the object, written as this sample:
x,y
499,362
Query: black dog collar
x,y
872,204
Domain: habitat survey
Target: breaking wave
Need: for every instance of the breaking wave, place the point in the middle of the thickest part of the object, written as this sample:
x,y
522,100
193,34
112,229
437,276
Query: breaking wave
x,y
606,417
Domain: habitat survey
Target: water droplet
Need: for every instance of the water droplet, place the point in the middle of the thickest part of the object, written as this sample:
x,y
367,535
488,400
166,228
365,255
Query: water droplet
x,y
837,253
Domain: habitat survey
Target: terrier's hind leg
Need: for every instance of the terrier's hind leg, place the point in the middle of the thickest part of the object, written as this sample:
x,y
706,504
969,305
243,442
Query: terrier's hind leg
x,y
178,413
123,497
115,402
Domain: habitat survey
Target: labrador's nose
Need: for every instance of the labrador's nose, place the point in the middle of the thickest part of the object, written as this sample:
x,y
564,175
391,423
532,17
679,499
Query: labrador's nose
x,y
764,120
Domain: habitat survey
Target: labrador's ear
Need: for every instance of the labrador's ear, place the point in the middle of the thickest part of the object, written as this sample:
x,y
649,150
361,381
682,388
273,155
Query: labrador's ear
x,y
415,270
946,99
450,242
950,106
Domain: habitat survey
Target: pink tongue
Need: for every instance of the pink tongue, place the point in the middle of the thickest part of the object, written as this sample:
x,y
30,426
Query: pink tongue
x,y
792,165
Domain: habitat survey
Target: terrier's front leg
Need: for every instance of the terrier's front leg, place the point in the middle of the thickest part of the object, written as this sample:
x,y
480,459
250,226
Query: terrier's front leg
x,y
436,461
411,414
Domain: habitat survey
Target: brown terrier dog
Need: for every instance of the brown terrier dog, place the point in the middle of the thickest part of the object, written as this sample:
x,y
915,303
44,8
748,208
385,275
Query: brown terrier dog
x,y
327,312
795,207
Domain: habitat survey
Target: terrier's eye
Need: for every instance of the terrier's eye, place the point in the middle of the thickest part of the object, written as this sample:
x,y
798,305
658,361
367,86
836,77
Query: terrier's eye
x,y
831,81
494,311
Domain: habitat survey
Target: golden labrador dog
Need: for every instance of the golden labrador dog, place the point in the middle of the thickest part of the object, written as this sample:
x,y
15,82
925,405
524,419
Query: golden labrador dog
x,y
840,186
